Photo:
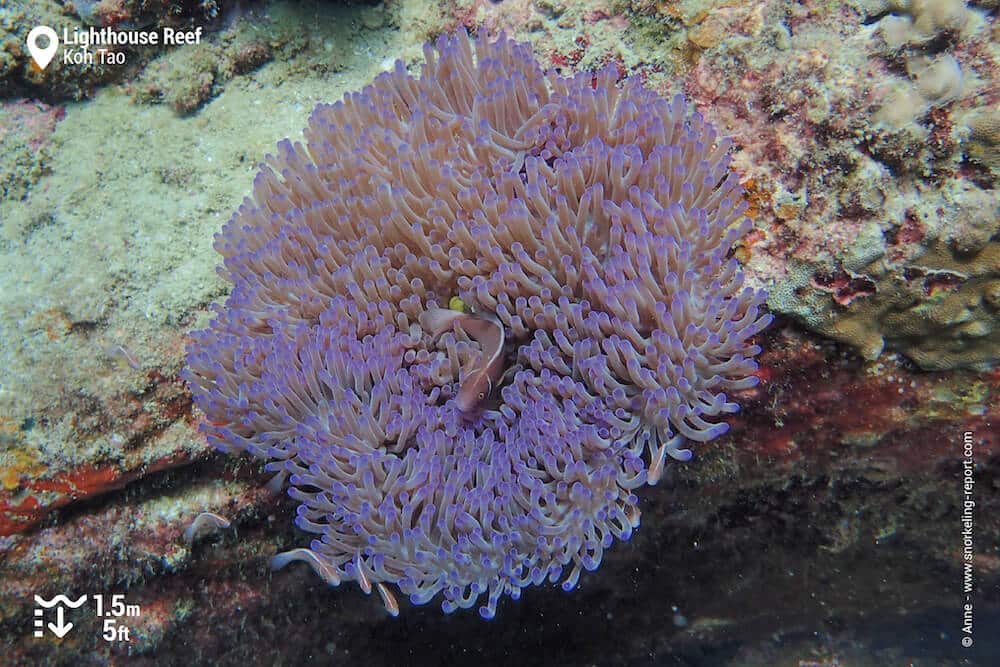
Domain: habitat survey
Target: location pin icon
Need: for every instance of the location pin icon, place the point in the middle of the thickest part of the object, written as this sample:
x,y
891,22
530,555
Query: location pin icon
x,y
42,55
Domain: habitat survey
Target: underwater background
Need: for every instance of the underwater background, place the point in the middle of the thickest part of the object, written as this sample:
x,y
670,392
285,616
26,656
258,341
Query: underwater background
x,y
830,526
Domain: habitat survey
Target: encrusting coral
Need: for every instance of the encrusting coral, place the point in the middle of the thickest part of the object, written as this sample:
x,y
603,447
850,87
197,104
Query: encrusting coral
x,y
589,218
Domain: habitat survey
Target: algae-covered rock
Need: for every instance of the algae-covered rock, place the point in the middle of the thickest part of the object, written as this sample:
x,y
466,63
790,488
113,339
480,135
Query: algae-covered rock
x,y
939,307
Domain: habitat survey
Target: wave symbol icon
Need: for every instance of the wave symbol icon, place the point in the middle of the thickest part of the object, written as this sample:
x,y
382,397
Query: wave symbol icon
x,y
60,628
59,599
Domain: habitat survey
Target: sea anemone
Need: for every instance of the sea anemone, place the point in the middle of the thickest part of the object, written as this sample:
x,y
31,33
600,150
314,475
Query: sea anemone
x,y
588,219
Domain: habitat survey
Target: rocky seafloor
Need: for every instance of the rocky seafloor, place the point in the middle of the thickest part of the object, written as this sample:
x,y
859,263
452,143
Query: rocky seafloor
x,y
823,529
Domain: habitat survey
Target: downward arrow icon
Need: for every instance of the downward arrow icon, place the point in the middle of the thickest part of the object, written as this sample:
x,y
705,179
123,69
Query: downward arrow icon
x,y
60,627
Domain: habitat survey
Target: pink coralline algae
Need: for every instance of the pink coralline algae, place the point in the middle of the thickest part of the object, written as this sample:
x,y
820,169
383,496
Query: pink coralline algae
x,y
588,217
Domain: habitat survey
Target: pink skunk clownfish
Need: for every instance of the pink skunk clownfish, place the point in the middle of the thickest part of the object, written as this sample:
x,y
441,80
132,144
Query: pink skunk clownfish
x,y
485,330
